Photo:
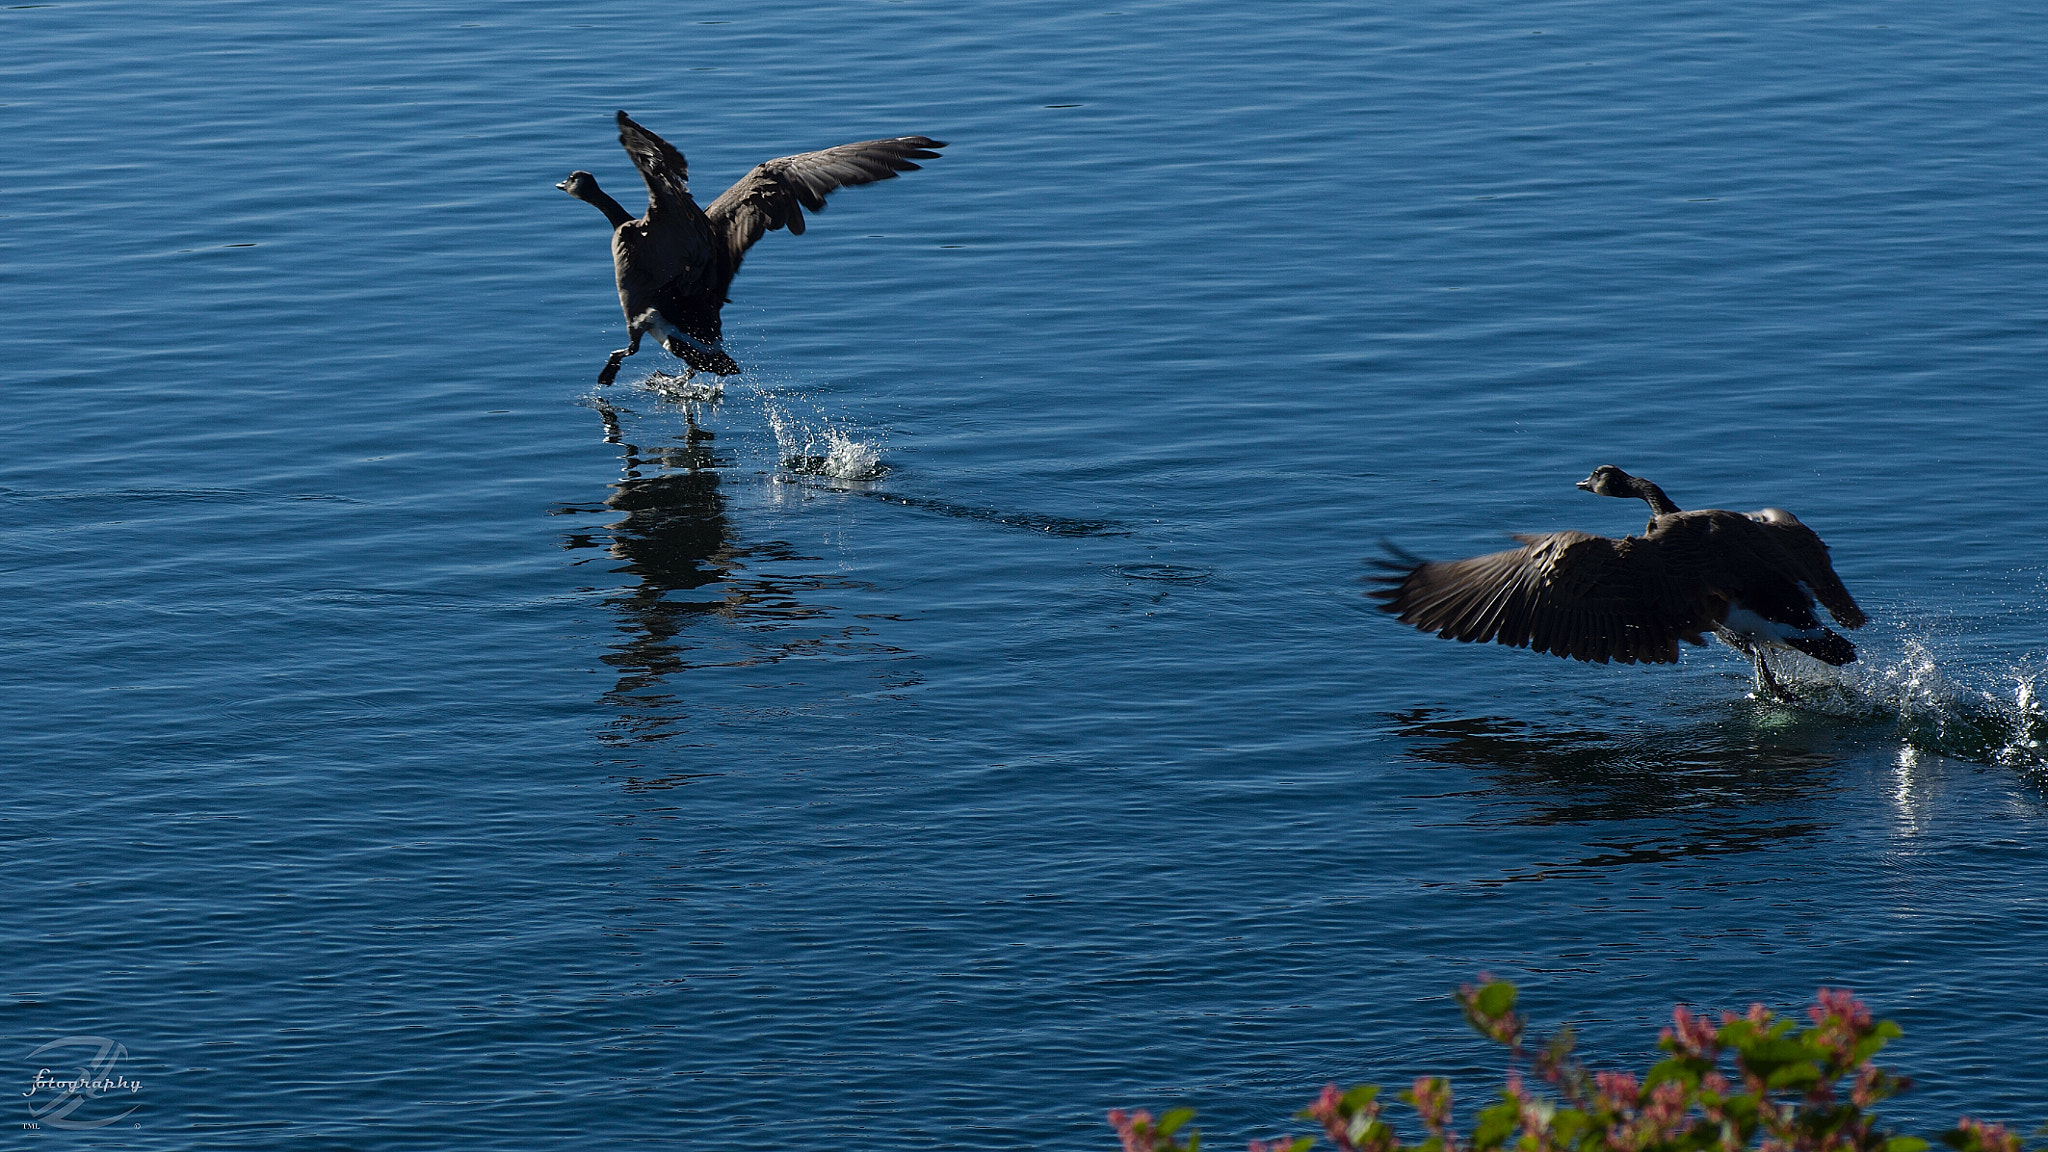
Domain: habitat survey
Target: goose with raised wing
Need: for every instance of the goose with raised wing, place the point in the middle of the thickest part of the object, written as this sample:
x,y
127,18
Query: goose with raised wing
x,y
1749,578
675,263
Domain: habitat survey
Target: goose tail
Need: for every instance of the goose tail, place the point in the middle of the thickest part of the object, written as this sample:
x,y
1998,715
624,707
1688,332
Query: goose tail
x,y
1827,647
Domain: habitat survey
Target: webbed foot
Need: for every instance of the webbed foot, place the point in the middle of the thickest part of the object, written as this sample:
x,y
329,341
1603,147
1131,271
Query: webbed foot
x,y
611,366
1767,685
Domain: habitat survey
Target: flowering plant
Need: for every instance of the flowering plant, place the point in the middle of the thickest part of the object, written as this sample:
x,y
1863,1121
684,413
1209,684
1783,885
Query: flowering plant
x,y
1757,1081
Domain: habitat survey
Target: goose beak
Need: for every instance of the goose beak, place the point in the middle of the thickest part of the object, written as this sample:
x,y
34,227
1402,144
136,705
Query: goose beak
x,y
564,185
1585,485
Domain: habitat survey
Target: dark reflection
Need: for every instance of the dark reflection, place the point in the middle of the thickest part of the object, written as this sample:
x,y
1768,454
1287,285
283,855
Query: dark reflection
x,y
1721,786
677,540
675,536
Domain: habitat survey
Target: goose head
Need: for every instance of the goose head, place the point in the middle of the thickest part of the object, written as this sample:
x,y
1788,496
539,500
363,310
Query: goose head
x,y
583,186
1607,480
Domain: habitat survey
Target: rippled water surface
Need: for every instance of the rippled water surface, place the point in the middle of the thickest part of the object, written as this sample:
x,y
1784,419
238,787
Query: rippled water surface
x,y
968,719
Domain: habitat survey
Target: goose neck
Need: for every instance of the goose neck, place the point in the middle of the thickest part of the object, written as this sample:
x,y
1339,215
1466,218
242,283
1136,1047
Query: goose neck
x,y
605,204
1660,504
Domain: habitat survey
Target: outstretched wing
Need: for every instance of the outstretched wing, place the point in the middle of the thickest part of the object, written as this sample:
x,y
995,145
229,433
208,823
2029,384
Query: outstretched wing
x,y
663,168
775,193
1809,558
1566,593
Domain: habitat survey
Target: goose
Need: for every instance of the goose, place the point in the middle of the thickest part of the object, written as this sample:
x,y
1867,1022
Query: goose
x,y
1749,578
675,263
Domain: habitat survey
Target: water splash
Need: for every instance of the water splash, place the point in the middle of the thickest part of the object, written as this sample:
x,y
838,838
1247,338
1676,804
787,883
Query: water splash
x,y
687,389
847,459
822,449
1992,719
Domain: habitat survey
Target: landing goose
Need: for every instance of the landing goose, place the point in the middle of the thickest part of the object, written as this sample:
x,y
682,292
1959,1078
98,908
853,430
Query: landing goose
x,y
1750,578
675,263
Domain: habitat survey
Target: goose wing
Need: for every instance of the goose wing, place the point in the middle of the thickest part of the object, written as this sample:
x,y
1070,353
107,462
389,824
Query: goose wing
x,y
1807,557
663,168
776,192
1566,593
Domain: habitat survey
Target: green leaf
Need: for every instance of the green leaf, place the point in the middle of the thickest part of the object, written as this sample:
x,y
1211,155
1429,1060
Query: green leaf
x,y
1741,1108
1171,1122
1905,1144
1775,1050
1678,1069
1358,1097
1496,999
1771,1057
1792,1076
1494,1125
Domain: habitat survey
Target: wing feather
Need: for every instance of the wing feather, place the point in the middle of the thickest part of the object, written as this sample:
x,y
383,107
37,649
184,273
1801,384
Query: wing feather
x,y
775,194
1566,593
1808,555
663,168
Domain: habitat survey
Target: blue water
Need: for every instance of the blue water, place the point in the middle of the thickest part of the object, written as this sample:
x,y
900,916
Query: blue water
x,y
414,746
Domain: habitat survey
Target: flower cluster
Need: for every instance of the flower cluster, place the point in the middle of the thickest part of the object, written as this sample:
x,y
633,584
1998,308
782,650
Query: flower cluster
x,y
1752,1083
1140,1133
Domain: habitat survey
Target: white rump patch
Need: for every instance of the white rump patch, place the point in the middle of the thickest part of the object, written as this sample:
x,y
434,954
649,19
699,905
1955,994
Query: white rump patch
x,y
651,321
1750,626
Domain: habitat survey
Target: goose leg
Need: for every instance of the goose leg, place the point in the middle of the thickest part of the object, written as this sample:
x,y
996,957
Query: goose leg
x,y
611,366
680,351
1766,682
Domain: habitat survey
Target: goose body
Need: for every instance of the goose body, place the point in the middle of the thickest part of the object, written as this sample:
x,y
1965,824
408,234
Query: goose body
x,y
675,263
1749,578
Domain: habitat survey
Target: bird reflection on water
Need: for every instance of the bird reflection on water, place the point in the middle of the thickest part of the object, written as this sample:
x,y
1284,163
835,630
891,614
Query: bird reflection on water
x,y
677,539
1714,787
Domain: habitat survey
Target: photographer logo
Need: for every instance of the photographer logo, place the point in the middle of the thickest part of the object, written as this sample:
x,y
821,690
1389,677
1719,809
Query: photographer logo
x,y
78,1084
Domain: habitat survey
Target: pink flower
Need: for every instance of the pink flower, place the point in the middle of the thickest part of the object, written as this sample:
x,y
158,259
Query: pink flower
x,y
1840,1002
1863,1093
1328,1110
1328,1107
1992,1137
1135,1129
1618,1090
1692,1035
1432,1101
1666,1111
